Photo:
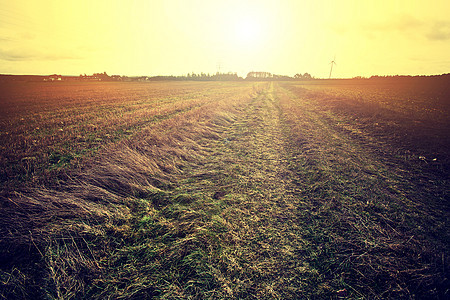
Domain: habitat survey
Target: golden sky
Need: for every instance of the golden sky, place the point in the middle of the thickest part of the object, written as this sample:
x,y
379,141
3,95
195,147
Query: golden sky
x,y
163,37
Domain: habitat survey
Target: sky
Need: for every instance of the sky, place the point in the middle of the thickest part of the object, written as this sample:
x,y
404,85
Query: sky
x,y
176,37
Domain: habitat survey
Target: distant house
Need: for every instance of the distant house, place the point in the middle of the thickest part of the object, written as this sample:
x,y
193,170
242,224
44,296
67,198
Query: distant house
x,y
53,77
116,77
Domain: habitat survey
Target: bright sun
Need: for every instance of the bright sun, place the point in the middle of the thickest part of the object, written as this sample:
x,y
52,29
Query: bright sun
x,y
247,31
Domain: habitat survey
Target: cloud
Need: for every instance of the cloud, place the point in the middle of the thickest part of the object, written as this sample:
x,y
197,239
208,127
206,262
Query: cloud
x,y
14,37
439,31
406,22
5,39
432,30
401,23
20,55
33,55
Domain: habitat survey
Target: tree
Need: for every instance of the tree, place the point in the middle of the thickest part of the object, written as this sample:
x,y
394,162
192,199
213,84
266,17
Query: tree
x,y
307,76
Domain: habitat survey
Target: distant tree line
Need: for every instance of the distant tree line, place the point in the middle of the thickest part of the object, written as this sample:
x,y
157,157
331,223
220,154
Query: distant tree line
x,y
215,77
446,75
269,76
251,76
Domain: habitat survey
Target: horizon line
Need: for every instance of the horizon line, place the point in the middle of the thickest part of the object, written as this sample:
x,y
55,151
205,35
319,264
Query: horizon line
x,y
227,73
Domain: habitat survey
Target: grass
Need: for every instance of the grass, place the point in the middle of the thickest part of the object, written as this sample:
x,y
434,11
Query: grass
x,y
372,219
39,134
251,191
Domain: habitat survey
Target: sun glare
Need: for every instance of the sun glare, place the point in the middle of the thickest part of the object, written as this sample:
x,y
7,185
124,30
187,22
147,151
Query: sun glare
x,y
247,31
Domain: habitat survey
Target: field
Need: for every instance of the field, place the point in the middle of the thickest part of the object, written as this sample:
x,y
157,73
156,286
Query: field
x,y
210,190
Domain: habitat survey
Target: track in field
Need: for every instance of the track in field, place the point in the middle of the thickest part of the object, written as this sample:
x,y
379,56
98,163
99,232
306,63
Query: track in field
x,y
247,170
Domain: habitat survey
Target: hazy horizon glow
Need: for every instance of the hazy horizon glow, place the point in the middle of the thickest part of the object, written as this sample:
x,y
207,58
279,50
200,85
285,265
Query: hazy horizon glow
x,y
176,37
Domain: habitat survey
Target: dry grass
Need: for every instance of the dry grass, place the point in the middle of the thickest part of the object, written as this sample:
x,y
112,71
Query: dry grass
x,y
249,191
47,127
101,198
